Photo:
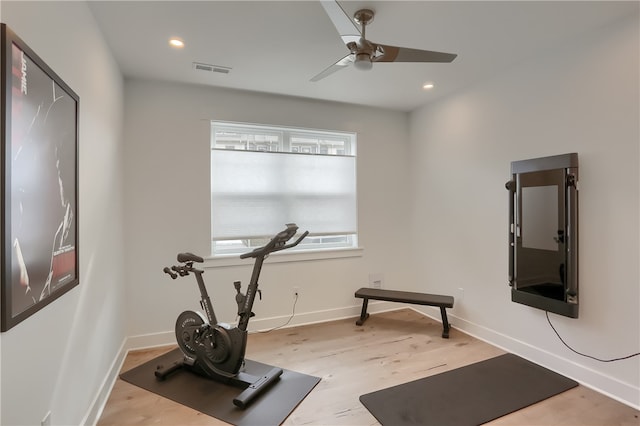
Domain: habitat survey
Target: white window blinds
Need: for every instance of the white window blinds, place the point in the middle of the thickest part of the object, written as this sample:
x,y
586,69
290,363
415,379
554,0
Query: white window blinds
x,y
253,194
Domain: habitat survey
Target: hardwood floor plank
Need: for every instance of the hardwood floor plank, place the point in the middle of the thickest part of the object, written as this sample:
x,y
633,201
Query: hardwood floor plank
x,y
391,348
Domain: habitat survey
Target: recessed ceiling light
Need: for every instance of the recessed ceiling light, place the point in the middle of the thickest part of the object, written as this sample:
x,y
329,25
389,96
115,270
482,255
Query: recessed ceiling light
x,y
176,42
427,86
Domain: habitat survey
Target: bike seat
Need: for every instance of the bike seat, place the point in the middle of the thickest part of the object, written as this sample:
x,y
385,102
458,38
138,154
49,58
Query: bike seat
x,y
189,257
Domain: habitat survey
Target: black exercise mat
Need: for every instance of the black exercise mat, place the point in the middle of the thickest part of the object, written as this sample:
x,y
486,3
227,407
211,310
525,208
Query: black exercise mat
x,y
470,395
216,399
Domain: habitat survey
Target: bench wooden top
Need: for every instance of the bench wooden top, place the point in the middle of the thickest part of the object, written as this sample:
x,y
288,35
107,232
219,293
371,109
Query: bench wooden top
x,y
405,297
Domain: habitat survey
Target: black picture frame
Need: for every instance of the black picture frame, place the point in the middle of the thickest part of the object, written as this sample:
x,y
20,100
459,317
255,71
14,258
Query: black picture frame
x,y
39,228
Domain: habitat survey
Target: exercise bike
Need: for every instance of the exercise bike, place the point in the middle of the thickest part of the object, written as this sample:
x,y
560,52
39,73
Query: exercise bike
x,y
216,350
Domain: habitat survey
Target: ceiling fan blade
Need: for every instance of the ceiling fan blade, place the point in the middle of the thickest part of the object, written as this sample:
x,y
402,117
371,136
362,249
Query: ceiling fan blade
x,y
342,63
386,53
344,24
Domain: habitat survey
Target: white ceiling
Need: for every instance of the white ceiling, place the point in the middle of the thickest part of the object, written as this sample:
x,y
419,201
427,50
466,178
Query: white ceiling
x,y
276,47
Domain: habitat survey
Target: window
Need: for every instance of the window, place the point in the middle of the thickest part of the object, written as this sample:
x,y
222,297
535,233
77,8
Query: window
x,y
264,177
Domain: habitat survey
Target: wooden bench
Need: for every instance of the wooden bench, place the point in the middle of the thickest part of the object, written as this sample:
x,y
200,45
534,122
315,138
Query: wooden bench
x,y
442,302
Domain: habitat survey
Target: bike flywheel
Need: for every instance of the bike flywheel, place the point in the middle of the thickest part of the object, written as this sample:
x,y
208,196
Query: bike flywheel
x,y
188,325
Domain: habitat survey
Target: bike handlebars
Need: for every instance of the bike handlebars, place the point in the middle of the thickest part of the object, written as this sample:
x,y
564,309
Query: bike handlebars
x,y
277,243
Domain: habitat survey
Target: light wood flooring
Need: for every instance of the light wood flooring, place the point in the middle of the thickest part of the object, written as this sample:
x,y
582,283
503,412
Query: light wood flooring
x,y
391,348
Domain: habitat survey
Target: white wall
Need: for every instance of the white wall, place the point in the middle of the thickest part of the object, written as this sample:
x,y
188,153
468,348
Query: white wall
x,y
58,358
582,97
450,202
168,204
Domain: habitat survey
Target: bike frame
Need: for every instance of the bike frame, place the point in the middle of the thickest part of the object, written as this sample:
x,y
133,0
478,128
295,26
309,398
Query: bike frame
x,y
250,296
205,301
277,243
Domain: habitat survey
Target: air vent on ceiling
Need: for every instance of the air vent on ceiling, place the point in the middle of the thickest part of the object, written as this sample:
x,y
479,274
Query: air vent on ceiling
x,y
198,66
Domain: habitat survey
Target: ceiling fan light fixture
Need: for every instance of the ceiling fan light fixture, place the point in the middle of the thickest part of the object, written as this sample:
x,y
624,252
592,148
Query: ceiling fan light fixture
x,y
363,62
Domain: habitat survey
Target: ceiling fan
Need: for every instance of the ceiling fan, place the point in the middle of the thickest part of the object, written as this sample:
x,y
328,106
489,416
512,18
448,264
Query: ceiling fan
x,y
362,52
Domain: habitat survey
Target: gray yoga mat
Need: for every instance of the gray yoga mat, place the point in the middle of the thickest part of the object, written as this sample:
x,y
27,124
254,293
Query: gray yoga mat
x,y
216,399
470,395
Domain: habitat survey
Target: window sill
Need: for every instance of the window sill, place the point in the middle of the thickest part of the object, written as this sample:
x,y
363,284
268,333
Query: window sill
x,y
282,257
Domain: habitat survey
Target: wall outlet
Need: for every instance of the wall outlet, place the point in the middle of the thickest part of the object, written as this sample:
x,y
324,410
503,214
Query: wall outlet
x,y
376,280
460,295
46,420
296,292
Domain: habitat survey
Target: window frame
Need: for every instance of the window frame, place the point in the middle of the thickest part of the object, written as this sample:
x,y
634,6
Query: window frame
x,y
287,137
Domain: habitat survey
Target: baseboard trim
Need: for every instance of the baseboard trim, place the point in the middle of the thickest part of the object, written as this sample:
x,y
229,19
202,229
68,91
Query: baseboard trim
x,y
602,383
100,400
145,341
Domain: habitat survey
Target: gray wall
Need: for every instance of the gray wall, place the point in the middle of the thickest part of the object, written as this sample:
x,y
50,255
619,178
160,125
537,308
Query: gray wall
x,y
58,358
582,97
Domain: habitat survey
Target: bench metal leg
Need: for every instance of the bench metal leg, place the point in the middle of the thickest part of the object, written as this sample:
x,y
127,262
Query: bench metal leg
x,y
363,314
445,323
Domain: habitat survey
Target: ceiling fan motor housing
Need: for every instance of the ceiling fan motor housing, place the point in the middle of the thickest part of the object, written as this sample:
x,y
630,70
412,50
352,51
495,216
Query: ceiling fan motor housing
x,y
363,53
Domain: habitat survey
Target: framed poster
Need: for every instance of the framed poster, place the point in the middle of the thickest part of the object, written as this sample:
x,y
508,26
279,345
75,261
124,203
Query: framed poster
x,y
39,228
